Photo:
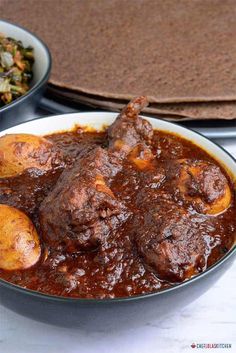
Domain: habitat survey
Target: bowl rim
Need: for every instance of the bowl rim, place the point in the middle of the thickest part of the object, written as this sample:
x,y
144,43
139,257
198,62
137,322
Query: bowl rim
x,y
38,84
91,301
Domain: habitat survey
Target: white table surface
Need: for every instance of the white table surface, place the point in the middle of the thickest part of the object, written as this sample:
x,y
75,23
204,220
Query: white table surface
x,y
210,319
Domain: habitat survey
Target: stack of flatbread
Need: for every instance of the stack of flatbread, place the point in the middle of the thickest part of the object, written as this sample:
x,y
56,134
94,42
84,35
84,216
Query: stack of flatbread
x,y
180,53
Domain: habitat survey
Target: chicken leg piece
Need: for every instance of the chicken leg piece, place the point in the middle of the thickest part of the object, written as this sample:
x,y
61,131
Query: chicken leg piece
x,y
129,130
130,134
82,211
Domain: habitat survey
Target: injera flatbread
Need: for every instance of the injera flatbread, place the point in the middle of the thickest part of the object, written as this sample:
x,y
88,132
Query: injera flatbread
x,y
174,111
170,50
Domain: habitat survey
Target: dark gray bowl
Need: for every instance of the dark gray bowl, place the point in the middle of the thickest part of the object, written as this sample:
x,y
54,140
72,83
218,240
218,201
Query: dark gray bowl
x,y
117,313
111,314
23,108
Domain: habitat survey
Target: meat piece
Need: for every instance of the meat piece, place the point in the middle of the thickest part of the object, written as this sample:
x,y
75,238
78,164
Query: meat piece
x,y
130,135
82,211
171,240
201,184
129,130
142,157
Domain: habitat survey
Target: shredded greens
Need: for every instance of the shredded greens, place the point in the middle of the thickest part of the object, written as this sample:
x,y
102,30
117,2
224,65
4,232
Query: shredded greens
x,y
16,64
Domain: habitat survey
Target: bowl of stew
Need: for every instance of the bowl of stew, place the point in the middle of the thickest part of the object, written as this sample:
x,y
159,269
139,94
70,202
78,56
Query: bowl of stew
x,y
112,218
25,65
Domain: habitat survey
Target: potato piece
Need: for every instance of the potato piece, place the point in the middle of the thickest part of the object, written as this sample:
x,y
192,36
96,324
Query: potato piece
x,y
204,184
19,241
22,151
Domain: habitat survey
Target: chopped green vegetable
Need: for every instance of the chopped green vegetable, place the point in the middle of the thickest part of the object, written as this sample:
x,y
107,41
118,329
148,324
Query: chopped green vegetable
x,y
4,85
6,60
16,64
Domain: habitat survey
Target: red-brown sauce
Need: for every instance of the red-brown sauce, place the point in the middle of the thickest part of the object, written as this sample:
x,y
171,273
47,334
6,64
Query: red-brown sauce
x,y
116,269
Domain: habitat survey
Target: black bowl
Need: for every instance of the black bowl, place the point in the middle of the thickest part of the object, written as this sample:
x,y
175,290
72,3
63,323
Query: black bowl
x,y
23,108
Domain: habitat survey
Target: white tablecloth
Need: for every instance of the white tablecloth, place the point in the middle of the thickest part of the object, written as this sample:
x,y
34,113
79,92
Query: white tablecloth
x,y
210,319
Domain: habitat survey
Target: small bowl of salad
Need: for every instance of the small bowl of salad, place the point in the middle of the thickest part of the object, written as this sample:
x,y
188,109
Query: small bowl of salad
x,y
25,65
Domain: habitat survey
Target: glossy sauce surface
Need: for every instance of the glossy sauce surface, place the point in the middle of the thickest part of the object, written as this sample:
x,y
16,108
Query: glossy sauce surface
x,y
116,268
